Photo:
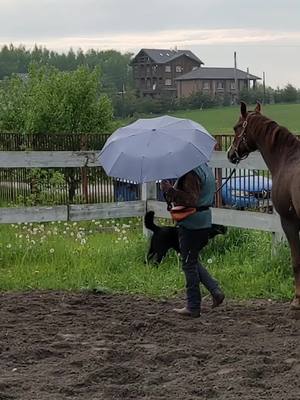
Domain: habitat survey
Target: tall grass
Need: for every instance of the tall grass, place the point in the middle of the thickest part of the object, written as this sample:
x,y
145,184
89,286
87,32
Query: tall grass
x,y
110,256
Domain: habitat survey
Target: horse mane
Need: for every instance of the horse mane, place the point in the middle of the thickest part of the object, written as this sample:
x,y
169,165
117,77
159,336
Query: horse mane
x,y
275,134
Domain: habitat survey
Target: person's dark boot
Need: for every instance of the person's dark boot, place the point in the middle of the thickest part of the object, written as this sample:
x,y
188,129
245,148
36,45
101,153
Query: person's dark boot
x,y
185,312
218,298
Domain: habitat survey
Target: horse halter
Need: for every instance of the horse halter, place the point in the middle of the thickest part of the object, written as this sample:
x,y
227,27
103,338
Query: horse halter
x,y
242,138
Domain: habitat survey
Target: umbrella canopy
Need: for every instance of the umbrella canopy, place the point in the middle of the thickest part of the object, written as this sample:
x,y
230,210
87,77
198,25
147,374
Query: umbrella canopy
x,y
156,148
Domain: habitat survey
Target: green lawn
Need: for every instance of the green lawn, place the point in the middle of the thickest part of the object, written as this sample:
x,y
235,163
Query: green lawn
x,y
221,120
76,256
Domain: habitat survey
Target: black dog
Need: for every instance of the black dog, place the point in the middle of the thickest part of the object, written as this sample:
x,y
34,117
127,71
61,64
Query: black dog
x,y
166,237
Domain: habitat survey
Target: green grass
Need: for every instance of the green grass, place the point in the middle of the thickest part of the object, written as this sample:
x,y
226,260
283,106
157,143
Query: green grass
x,y
222,120
78,256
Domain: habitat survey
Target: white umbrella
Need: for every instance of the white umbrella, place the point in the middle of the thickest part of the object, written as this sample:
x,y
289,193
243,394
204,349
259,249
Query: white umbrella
x,y
156,148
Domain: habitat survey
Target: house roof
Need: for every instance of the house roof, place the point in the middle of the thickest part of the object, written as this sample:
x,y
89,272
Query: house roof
x,y
215,73
162,56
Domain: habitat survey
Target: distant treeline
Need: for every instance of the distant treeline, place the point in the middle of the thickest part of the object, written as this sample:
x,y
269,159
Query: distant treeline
x,y
130,105
116,80
115,71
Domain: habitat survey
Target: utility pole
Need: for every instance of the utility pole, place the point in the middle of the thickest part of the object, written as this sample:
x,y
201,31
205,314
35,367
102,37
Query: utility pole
x,y
248,81
235,79
264,87
122,93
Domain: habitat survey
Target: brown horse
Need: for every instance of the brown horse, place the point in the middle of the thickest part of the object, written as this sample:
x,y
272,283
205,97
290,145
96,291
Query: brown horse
x,y
281,152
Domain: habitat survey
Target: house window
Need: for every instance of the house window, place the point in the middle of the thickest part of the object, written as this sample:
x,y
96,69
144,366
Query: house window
x,y
168,68
232,85
178,68
168,82
206,85
220,85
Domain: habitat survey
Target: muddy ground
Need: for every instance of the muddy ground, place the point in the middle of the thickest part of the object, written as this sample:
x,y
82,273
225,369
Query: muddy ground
x,y
56,346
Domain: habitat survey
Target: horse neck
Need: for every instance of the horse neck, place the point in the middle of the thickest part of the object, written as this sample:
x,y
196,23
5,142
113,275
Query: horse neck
x,y
276,144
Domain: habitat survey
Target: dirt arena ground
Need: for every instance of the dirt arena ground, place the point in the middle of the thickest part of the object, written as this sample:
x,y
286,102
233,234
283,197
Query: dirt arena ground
x,y
56,346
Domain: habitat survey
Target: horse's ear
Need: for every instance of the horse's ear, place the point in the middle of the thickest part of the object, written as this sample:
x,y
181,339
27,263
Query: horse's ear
x,y
258,107
243,109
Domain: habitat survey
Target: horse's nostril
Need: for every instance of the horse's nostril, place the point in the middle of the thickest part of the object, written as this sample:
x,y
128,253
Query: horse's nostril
x,y
232,158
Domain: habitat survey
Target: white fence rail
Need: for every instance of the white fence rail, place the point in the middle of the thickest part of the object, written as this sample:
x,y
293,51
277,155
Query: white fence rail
x,y
85,212
49,159
81,212
60,159
228,217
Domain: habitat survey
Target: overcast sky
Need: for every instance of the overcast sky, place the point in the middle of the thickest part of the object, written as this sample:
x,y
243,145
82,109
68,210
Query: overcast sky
x,y
265,33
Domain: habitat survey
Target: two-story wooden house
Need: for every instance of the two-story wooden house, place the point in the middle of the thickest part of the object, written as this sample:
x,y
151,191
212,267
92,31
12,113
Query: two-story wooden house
x,y
215,82
155,70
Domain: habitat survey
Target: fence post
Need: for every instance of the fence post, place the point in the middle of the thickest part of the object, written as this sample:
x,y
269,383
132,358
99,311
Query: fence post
x,y
218,177
149,192
84,171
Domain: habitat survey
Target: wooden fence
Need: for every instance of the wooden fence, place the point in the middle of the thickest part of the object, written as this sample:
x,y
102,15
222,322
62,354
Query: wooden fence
x,y
51,159
65,185
80,185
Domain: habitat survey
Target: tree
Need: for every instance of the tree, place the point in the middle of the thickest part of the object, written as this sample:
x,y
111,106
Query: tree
x,y
289,94
50,101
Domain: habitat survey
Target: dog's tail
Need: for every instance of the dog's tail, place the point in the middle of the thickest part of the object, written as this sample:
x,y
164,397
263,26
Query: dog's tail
x,y
149,221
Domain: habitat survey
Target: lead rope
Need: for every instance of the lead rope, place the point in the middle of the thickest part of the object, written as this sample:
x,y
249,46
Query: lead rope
x,y
227,179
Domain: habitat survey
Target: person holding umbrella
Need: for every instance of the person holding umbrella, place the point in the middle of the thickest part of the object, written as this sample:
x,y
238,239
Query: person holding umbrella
x,y
163,148
195,191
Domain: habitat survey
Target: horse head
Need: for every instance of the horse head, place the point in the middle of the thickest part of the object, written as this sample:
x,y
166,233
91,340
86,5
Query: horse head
x,y
243,143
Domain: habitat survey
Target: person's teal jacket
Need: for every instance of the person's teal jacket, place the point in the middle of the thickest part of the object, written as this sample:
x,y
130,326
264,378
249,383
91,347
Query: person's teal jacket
x,y
195,189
